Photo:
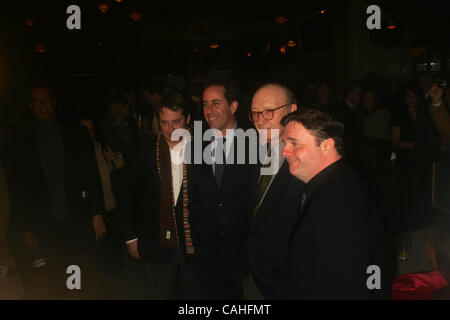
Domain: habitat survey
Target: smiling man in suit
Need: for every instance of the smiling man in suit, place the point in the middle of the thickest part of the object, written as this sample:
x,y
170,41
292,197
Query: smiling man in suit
x,y
276,197
221,199
158,197
337,234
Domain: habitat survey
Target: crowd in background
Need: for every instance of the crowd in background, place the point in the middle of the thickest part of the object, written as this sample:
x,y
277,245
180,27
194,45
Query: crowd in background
x,y
397,138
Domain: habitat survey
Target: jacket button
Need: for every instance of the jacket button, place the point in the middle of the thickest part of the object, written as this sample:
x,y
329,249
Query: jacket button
x,y
220,204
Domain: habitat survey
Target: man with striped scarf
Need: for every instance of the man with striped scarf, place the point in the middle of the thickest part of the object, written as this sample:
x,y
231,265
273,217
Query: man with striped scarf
x,y
157,226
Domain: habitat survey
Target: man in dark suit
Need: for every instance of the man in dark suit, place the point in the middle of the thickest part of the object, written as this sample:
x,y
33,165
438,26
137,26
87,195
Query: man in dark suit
x,y
276,197
337,234
222,193
158,193
57,197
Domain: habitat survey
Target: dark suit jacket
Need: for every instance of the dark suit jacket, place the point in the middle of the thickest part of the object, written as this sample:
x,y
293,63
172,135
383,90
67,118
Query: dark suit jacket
x,y
270,230
336,237
219,216
141,210
30,195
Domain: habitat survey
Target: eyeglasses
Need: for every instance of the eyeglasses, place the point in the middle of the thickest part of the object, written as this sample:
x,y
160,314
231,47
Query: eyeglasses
x,y
267,114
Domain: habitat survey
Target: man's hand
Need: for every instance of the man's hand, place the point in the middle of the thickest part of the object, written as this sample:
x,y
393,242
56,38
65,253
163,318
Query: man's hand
x,y
99,226
29,239
133,249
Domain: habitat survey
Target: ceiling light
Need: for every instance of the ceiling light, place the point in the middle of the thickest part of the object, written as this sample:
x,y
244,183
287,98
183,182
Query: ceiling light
x,y
103,7
281,19
291,43
135,16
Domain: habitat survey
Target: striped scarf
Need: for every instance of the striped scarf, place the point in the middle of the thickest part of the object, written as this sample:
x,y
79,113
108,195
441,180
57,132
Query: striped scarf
x,y
168,226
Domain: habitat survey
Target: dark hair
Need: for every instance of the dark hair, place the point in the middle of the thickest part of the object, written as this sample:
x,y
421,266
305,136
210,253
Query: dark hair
x,y
40,86
417,91
321,125
374,93
290,96
352,85
231,89
175,101
154,85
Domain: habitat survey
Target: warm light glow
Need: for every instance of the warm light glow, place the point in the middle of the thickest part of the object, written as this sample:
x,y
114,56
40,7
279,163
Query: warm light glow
x,y
41,48
135,16
391,26
118,1
29,22
281,19
283,49
249,54
103,7
100,44
291,43
323,11
214,46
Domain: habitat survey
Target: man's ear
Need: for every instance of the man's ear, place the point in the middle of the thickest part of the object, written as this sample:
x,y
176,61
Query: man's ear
x,y
234,106
188,119
293,107
327,146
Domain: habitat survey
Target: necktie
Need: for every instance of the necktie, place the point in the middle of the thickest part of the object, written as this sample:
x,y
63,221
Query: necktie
x,y
302,202
263,183
220,167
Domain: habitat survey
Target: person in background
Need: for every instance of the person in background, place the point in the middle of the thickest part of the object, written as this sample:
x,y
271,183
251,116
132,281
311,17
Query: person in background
x,y
57,199
349,113
118,130
440,113
425,81
375,121
153,90
108,225
324,97
415,143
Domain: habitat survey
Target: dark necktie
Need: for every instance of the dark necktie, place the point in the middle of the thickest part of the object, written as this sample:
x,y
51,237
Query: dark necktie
x,y
302,202
220,167
263,183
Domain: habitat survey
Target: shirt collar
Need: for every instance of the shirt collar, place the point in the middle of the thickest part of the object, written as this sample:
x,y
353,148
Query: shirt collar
x,y
320,178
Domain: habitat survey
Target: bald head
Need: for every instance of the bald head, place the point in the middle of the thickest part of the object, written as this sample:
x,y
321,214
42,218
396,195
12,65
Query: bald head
x,y
270,104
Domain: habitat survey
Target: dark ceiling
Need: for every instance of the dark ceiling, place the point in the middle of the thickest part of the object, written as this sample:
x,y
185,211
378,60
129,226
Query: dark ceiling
x,y
171,36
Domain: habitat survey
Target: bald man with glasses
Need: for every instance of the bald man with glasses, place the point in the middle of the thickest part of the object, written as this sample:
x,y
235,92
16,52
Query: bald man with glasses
x,y
276,195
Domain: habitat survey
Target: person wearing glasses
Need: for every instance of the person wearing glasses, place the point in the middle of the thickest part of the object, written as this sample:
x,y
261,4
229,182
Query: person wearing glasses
x,y
276,196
